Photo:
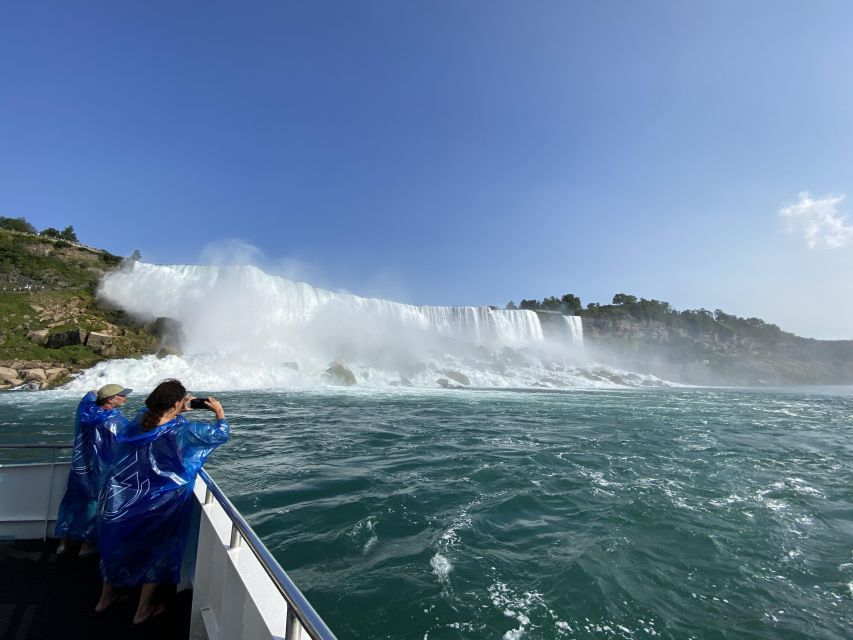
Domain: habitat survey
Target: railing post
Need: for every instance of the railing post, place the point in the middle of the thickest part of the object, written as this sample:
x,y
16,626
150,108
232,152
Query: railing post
x,y
291,631
301,620
49,495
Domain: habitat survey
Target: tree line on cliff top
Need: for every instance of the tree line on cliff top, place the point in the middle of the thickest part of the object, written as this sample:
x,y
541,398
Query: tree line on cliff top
x,y
22,225
50,259
626,306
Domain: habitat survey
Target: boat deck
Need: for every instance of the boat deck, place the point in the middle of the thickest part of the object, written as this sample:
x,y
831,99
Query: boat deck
x,y
43,595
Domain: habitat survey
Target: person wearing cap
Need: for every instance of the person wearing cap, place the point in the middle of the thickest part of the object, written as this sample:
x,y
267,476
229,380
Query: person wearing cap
x,y
99,421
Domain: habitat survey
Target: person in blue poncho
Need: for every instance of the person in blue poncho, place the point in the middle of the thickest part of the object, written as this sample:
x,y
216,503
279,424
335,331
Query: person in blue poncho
x,y
144,510
98,422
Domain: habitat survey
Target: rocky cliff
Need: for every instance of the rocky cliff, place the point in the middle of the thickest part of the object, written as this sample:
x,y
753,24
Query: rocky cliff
x,y
50,323
717,353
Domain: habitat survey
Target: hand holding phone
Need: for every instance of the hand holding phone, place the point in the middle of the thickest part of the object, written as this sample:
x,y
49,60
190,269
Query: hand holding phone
x,y
199,403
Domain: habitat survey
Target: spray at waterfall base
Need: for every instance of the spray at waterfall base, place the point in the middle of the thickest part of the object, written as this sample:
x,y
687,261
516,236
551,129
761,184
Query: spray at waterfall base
x,y
241,328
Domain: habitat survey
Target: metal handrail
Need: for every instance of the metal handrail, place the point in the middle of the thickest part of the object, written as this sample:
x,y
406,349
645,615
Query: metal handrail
x,y
55,448
297,603
298,606
39,445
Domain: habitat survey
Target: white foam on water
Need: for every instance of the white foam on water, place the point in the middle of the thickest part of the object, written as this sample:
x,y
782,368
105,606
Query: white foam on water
x,y
516,606
441,567
450,538
365,530
799,486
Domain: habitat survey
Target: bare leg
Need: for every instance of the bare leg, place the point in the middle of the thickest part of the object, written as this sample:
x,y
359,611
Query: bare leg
x,y
146,607
108,596
63,546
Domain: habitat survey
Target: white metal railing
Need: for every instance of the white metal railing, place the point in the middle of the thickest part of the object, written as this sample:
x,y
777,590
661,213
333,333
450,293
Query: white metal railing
x,y
30,493
239,589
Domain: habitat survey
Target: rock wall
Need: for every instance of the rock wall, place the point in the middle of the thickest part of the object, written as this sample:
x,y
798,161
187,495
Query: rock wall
x,y
718,356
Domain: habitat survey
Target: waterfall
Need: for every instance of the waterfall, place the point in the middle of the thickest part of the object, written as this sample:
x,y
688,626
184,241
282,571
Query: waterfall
x,y
242,328
241,305
574,328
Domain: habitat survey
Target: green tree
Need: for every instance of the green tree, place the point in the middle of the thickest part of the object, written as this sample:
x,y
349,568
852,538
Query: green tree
x,y
551,304
50,232
17,224
722,316
571,304
532,305
511,305
623,299
68,234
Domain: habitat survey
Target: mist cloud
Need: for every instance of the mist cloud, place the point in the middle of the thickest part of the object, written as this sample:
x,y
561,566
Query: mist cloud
x,y
231,252
234,252
818,220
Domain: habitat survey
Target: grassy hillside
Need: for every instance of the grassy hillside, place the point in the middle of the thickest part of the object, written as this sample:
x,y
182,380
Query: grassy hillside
x,y
47,298
35,262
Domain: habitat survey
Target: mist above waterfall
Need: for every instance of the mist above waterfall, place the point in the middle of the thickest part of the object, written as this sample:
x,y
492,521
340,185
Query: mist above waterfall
x,y
244,328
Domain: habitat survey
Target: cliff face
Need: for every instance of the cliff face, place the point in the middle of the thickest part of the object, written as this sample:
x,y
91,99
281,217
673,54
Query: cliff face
x,y
50,323
717,355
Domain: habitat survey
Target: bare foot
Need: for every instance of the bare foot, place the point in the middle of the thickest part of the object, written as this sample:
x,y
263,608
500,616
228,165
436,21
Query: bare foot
x,y
148,613
104,603
88,549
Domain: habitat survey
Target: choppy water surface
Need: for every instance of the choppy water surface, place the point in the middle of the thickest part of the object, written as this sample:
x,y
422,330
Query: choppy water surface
x,y
592,514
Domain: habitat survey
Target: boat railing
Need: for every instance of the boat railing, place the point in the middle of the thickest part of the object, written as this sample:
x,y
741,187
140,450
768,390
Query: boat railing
x,y
300,616
24,516
239,588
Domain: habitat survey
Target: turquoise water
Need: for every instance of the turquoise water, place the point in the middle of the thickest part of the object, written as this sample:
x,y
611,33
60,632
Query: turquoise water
x,y
689,513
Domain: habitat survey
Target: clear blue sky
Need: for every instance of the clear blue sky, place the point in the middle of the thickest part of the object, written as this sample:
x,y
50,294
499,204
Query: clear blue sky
x,y
451,152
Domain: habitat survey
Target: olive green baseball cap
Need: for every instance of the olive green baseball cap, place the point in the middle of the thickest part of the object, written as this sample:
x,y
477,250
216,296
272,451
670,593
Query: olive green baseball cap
x,y
110,390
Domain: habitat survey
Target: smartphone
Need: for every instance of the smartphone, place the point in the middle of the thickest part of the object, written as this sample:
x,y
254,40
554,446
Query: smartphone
x,y
198,403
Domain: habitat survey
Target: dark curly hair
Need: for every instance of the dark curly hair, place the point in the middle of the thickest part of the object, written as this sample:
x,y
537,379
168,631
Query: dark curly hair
x,y
163,398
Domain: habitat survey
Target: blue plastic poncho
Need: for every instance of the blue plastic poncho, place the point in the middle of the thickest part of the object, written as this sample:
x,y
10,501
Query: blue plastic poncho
x,y
95,449
145,505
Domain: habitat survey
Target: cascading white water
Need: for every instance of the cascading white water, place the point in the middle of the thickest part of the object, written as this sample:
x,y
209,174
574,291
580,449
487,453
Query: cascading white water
x,y
238,304
575,328
243,328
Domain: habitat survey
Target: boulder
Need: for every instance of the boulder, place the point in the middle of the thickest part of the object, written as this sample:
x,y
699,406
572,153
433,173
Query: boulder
x,y
34,375
164,326
65,339
291,365
461,378
170,333
7,374
53,374
100,343
447,384
340,375
39,337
